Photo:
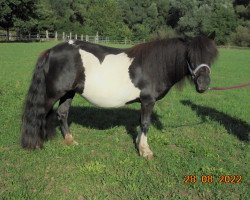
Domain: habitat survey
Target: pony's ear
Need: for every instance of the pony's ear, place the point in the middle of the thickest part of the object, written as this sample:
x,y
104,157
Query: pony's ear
x,y
212,35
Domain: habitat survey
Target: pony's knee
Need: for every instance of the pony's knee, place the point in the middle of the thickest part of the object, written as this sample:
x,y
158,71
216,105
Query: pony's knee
x,y
62,113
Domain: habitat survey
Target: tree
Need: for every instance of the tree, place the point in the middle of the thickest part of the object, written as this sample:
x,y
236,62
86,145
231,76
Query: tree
x,y
105,18
71,15
222,20
62,12
20,14
6,17
46,16
163,7
83,16
242,35
136,19
195,17
140,16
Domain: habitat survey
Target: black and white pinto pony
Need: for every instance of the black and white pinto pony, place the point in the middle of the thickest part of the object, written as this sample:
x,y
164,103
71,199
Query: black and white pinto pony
x,y
109,77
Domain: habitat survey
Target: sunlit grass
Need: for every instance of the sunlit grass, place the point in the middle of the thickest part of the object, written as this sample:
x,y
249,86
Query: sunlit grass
x,y
192,134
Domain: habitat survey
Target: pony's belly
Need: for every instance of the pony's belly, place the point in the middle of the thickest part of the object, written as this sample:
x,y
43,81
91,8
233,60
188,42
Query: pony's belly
x,y
109,97
108,84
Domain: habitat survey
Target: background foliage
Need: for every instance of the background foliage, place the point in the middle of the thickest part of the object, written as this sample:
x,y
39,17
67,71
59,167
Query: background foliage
x,y
134,19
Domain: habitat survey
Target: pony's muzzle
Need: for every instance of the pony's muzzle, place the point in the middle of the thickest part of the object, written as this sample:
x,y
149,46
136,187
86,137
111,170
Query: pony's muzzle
x,y
202,83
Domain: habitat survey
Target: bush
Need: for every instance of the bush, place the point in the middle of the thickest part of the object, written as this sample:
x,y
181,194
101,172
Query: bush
x,y
164,32
241,37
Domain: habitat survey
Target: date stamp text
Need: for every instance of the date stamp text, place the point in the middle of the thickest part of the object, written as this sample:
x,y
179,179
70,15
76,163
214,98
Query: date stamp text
x,y
208,179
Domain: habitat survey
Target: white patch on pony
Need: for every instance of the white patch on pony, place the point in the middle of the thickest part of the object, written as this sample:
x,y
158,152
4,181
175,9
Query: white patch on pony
x,y
71,41
143,147
108,84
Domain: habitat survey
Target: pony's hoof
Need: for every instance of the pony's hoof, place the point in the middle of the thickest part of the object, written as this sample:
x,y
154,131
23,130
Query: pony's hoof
x,y
146,153
148,156
68,139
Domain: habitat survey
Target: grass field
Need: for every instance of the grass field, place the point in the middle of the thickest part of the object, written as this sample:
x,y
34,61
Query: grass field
x,y
192,134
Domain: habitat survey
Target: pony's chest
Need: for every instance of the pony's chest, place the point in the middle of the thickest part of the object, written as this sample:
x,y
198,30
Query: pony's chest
x,y
108,84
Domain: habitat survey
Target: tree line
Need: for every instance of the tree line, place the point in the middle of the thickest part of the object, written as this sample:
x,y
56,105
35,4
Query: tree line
x,y
133,19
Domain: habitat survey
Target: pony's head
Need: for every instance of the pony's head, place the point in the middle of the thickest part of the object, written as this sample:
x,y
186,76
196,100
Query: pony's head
x,y
201,53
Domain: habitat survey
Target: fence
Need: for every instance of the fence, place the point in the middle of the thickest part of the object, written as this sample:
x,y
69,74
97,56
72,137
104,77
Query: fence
x,y
48,36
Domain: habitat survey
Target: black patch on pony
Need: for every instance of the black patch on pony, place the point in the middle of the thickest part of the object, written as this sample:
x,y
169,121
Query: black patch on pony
x,y
98,50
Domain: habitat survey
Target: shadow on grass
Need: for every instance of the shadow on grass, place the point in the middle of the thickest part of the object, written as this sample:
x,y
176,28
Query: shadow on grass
x,y
102,119
237,127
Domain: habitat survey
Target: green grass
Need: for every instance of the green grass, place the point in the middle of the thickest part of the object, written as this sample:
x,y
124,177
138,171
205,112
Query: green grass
x,y
192,134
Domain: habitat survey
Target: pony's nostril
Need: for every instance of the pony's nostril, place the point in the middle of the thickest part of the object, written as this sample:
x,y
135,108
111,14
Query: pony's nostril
x,y
201,90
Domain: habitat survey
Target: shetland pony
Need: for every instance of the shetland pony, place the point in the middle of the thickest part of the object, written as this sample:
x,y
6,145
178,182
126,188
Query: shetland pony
x,y
109,77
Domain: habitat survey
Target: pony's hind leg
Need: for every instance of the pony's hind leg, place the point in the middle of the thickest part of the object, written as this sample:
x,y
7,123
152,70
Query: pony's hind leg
x,y
62,113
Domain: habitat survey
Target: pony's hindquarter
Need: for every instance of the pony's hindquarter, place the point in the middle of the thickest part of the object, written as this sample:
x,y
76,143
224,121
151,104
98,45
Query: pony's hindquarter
x,y
58,76
33,120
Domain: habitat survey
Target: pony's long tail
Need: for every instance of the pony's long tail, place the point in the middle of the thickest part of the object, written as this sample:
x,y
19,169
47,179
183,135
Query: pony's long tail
x,y
33,130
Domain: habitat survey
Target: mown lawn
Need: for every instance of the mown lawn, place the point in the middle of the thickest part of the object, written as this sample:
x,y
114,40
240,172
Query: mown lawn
x,y
192,134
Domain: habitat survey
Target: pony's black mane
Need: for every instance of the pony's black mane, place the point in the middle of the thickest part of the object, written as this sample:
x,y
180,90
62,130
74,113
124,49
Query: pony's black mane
x,y
197,48
201,49
167,55
170,55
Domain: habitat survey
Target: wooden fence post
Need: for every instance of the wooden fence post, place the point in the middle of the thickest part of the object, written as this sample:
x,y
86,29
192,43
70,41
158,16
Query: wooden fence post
x,y
47,35
81,37
75,36
63,37
97,38
70,35
87,38
56,36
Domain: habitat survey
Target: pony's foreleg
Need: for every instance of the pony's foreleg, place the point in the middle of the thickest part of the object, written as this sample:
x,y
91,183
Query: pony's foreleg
x,y
62,113
147,105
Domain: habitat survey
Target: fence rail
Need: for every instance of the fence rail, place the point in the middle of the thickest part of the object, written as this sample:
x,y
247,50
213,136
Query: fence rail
x,y
48,36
